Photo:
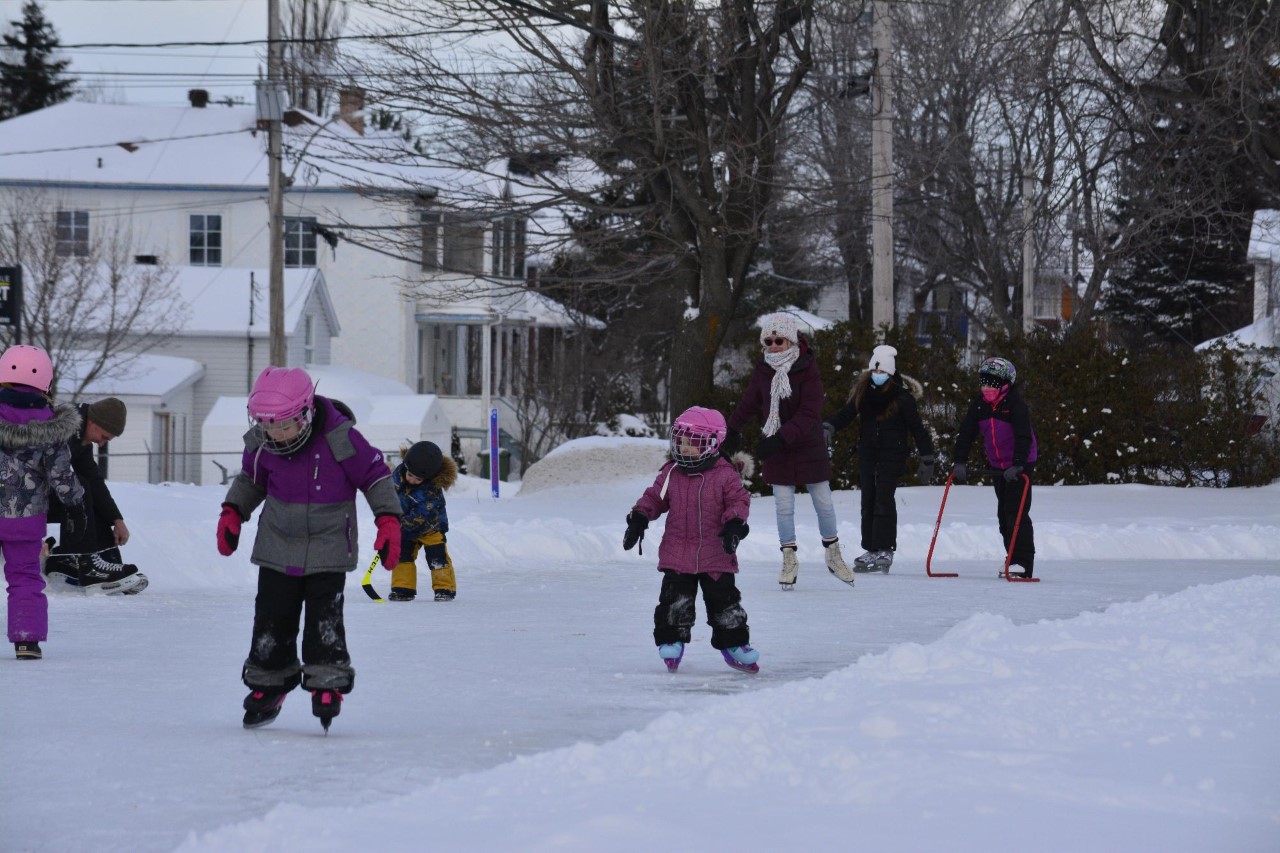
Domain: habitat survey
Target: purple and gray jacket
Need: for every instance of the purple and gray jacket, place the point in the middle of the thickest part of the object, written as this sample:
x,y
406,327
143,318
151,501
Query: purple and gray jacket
x,y
1006,430
699,503
308,521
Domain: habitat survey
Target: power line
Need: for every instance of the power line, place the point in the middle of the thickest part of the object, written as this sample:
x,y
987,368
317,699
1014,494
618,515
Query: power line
x,y
121,142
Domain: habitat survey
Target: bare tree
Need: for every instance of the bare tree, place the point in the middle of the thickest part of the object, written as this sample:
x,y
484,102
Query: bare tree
x,y
312,52
86,301
674,108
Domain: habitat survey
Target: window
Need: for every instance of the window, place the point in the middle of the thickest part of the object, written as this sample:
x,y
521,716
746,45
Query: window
x,y
509,247
206,240
300,241
431,221
463,245
309,339
72,234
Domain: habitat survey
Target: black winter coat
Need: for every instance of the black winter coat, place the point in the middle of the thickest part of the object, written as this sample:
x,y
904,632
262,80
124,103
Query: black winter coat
x,y
887,416
85,464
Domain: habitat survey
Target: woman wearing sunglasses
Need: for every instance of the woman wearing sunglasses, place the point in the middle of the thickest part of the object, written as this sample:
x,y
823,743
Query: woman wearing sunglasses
x,y
785,390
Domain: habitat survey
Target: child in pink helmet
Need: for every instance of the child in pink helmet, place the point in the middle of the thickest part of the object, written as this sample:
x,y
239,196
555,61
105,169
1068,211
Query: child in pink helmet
x,y
303,463
707,507
35,462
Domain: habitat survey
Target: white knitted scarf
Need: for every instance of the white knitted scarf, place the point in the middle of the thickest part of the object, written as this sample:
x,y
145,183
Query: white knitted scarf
x,y
780,388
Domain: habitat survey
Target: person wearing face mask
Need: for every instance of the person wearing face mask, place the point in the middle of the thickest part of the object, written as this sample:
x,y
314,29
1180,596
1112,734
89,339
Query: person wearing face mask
x,y
1000,414
884,404
785,391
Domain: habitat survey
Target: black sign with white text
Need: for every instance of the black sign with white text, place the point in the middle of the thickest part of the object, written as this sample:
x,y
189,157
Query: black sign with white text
x,y
11,298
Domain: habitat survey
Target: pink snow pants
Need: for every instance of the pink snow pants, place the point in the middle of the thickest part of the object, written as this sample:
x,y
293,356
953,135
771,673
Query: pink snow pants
x,y
28,607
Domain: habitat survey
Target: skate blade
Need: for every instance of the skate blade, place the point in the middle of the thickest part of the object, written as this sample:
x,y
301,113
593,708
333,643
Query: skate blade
x,y
131,585
745,667
672,665
265,721
849,581
55,578
787,586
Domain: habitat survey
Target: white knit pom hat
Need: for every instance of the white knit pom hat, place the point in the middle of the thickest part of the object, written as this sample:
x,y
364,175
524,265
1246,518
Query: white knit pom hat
x,y
884,357
779,325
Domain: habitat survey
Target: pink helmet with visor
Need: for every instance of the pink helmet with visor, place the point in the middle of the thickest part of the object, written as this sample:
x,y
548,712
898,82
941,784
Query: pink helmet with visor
x,y
696,436
280,408
26,365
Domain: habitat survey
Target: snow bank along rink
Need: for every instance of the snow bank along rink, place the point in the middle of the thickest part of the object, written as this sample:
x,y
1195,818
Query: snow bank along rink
x,y
572,505
1150,726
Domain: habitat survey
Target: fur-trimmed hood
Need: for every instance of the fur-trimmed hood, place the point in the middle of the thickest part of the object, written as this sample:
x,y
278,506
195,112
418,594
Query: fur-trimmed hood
x,y
448,475
863,379
61,428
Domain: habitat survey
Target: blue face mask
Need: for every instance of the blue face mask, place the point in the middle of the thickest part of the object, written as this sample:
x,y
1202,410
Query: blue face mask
x,y
879,379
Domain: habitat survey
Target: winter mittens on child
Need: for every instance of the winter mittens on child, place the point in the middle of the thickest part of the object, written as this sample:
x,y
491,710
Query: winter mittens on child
x,y
925,471
229,530
387,542
733,532
637,522
960,473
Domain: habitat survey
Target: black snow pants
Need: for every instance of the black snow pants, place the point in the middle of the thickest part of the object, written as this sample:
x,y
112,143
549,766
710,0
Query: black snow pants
x,y
273,655
1008,497
674,616
878,481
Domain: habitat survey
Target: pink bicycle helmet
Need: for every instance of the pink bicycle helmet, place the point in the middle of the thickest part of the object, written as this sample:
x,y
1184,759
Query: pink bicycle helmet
x,y
26,365
702,431
282,395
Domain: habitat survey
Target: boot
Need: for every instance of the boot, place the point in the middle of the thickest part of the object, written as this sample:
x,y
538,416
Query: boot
x,y
671,654
262,706
63,568
742,658
29,650
398,594
865,562
100,575
790,567
446,594
326,704
835,562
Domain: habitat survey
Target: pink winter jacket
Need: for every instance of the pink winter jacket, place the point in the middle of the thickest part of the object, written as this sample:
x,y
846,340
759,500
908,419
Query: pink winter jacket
x,y
698,504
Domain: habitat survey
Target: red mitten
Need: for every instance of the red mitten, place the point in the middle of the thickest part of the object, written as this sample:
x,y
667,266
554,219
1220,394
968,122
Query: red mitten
x,y
387,543
228,530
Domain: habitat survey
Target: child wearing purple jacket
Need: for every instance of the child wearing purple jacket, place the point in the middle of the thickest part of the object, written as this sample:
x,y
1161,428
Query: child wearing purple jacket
x,y
707,508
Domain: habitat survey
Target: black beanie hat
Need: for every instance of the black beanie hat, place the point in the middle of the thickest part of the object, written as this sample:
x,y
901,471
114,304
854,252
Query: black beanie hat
x,y
424,460
108,413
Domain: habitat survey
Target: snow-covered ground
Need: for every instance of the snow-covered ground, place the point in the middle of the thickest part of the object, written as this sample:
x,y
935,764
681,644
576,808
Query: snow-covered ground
x,y
1129,701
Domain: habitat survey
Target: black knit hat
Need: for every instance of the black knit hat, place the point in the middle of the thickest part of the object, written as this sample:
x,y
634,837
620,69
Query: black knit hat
x,y
424,460
108,413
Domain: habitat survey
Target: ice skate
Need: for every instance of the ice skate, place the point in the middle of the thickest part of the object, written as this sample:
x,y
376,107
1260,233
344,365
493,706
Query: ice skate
x,y
835,562
671,654
884,559
62,569
29,650
261,707
790,567
398,594
445,594
742,658
326,704
865,562
99,575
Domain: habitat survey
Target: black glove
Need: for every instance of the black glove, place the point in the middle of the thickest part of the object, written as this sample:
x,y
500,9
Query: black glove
x,y
959,473
828,432
734,531
925,471
1011,473
74,522
636,524
731,444
769,445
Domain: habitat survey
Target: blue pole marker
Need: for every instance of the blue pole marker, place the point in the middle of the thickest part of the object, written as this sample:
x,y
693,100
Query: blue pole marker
x,y
493,450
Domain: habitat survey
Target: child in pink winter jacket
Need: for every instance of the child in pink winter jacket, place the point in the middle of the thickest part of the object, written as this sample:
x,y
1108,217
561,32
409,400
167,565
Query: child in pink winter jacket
x,y
707,510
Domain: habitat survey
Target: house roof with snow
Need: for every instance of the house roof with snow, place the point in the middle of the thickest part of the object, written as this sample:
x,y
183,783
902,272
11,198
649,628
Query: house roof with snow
x,y
140,376
221,300
216,148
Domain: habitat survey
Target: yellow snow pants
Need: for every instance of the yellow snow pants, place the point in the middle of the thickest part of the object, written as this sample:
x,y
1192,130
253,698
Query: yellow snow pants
x,y
405,574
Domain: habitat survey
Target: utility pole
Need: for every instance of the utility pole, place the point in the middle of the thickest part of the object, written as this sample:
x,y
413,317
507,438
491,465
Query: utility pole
x,y
1028,256
882,298
275,188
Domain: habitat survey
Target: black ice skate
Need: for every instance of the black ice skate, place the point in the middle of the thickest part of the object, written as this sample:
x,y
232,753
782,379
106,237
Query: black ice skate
x,y
445,594
326,704
101,575
262,706
62,569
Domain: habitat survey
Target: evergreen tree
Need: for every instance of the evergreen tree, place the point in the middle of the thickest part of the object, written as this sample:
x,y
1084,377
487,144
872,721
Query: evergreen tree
x,y
30,79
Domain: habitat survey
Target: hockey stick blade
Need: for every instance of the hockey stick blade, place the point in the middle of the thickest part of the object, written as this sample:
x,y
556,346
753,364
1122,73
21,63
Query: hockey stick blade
x,y
367,582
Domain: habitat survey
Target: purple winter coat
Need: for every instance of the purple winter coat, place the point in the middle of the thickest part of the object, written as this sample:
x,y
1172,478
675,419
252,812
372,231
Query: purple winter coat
x,y
803,458
1007,436
308,521
699,504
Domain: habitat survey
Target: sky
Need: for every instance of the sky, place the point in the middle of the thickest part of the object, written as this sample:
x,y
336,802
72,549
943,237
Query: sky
x,y
155,75
1128,701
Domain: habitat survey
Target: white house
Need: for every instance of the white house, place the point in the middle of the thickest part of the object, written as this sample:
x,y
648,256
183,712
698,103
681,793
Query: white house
x,y
422,263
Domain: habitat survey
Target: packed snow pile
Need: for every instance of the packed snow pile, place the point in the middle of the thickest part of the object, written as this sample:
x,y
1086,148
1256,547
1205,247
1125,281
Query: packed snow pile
x,y
596,459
